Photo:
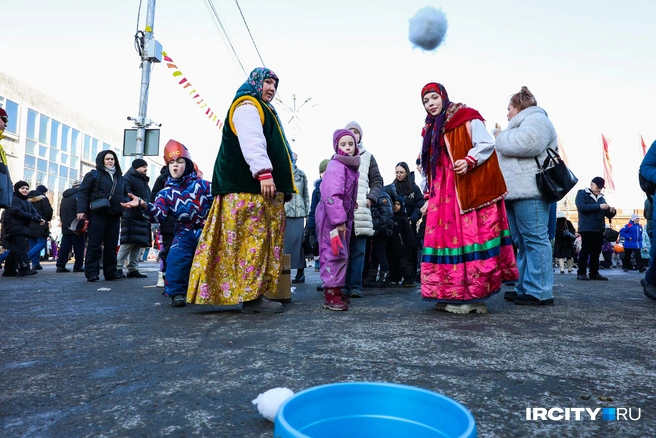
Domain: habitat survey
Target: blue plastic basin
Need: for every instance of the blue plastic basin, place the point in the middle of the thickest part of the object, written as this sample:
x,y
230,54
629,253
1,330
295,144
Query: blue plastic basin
x,y
369,409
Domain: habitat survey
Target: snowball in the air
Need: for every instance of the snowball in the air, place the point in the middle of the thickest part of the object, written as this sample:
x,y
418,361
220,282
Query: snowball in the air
x,y
427,28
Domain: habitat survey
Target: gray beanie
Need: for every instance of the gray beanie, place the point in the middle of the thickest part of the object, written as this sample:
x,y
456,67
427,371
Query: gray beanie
x,y
357,126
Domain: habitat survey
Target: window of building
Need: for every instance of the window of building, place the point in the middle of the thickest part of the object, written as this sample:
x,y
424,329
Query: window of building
x,y
44,122
73,174
65,140
42,165
30,147
94,148
31,124
54,155
30,162
11,108
75,142
54,133
86,148
53,168
28,177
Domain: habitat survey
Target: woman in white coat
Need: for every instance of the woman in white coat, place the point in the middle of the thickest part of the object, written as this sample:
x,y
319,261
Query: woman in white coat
x,y
528,135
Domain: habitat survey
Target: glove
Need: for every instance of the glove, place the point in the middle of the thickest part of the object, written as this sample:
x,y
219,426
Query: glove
x,y
335,242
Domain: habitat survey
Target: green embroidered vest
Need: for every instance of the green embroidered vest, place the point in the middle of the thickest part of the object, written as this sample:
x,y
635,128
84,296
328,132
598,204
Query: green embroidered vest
x,y
231,171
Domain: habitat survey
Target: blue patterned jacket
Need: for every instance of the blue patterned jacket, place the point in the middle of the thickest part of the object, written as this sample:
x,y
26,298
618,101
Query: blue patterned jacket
x,y
188,200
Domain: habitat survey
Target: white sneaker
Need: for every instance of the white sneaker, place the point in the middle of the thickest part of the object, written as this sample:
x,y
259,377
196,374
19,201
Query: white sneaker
x,y
160,279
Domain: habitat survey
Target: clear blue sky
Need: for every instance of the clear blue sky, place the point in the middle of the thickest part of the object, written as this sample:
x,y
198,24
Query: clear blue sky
x,y
590,64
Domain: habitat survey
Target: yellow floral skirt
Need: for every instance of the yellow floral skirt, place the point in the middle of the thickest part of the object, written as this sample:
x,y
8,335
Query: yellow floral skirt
x,y
238,257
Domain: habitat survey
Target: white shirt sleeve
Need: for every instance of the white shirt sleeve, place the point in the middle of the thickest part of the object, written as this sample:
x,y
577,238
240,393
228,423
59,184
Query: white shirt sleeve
x,y
252,142
483,142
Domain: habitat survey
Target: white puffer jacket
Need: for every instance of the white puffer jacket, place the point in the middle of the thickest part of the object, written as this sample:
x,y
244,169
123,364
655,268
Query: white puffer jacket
x,y
528,135
363,223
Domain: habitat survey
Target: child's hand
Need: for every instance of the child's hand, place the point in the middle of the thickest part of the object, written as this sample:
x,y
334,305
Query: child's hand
x,y
341,229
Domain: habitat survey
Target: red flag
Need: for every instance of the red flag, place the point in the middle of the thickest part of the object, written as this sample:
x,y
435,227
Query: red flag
x,y
608,168
644,147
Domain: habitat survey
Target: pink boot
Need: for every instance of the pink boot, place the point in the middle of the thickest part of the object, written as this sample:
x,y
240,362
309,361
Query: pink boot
x,y
332,299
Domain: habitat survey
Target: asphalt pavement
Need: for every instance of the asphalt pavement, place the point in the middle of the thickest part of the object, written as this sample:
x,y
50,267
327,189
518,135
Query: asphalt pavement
x,y
80,361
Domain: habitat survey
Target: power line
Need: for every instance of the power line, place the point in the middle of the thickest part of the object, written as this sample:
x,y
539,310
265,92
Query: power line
x,y
210,3
249,33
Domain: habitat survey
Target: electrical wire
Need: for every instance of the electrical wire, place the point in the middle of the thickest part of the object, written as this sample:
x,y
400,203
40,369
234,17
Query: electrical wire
x,y
138,15
249,33
138,35
210,3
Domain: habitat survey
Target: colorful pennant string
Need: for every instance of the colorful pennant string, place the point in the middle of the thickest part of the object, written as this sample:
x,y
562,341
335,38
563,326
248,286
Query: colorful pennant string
x,y
196,96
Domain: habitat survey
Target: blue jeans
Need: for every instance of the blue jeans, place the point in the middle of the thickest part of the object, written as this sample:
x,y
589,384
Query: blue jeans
x,y
178,262
357,248
529,220
36,245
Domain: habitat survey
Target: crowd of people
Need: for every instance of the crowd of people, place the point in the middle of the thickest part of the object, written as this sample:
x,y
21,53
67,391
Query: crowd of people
x,y
478,220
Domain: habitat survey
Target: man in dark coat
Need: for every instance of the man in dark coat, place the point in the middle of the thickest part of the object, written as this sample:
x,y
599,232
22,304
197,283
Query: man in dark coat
x,y
593,211
38,237
70,238
135,228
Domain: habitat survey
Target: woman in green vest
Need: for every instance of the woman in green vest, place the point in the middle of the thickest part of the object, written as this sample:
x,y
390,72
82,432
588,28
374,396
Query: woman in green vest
x,y
239,254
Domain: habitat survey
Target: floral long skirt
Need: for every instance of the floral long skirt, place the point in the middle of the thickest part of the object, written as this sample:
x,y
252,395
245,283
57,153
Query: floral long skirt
x,y
466,256
239,253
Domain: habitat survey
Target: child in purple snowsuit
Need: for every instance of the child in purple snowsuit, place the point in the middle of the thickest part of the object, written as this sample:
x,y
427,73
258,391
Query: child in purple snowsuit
x,y
339,189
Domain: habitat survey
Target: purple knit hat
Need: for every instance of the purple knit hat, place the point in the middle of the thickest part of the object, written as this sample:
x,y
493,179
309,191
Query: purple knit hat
x,y
341,133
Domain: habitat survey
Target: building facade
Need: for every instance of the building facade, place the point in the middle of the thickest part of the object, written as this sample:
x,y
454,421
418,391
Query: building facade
x,y
50,144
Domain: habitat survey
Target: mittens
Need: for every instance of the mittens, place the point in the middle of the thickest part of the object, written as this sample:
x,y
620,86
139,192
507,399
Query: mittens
x,y
335,242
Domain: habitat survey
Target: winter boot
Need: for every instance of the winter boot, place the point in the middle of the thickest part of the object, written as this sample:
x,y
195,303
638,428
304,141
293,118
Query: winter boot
x,y
370,281
22,272
332,299
160,279
383,280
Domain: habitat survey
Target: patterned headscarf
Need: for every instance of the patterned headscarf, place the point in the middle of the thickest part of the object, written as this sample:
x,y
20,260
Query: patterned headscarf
x,y
253,87
255,82
432,131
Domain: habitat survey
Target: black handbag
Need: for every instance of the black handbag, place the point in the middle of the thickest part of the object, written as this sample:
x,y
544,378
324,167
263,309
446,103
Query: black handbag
x,y
554,179
100,204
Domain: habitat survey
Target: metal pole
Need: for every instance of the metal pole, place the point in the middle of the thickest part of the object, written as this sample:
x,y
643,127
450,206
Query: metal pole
x,y
145,79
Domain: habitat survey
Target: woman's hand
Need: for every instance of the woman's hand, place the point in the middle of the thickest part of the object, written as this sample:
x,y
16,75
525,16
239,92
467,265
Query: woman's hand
x,y
460,167
80,216
267,188
424,208
135,202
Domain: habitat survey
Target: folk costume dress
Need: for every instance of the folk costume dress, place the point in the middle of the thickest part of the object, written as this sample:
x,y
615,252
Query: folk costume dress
x,y
239,253
467,246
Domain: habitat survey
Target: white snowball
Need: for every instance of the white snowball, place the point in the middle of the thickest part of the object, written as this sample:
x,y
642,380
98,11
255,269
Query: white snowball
x,y
427,28
270,401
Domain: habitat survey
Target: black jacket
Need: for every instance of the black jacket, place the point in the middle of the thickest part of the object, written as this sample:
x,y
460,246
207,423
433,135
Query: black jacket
x,y
98,184
68,210
413,199
402,241
382,215
17,218
168,226
135,228
42,206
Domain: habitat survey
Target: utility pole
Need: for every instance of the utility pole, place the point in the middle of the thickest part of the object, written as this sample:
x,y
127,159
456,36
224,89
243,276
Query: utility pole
x,y
151,51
